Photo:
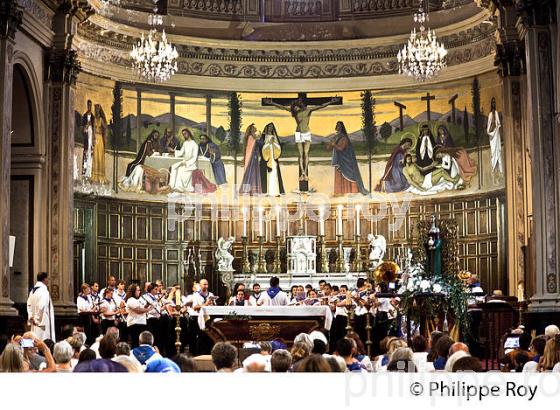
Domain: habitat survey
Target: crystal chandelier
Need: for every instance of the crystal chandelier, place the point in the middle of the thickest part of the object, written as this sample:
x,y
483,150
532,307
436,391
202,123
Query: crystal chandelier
x,y
423,56
153,57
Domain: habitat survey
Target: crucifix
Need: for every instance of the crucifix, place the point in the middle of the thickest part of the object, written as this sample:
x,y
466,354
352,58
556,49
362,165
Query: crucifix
x,y
428,98
402,107
452,102
301,109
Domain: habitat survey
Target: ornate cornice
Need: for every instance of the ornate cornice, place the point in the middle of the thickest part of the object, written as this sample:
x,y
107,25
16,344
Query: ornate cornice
x,y
63,66
11,17
510,58
37,10
536,12
80,9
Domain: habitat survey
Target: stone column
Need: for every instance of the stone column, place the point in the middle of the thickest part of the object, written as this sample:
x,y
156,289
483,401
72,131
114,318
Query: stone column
x,y
534,25
138,119
172,112
62,71
10,20
208,115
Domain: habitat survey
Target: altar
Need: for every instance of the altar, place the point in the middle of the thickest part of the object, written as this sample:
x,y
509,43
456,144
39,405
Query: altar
x,y
240,324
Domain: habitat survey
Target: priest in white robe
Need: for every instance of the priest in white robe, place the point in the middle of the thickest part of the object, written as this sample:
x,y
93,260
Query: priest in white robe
x,y
180,179
493,128
40,310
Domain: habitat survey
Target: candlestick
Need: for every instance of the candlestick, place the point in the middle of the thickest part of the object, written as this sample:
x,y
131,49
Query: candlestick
x,y
246,266
261,265
278,210
321,221
340,256
358,256
178,320
358,209
324,256
277,266
339,220
260,226
244,211
349,306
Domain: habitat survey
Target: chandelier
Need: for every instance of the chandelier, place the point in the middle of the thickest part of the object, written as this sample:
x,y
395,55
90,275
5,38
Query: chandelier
x,y
153,57
423,56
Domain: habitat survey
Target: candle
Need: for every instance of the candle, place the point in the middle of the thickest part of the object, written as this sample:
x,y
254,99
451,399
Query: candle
x,y
261,229
322,221
358,209
244,211
278,209
339,220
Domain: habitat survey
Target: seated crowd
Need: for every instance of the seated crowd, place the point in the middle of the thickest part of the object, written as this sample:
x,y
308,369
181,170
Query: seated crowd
x,y
307,354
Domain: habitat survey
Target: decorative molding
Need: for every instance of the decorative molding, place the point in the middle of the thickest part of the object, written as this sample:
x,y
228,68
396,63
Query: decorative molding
x,y
510,58
11,17
534,13
63,66
37,10
551,283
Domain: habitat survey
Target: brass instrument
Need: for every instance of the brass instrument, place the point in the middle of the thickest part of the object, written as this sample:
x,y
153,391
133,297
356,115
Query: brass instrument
x,y
386,272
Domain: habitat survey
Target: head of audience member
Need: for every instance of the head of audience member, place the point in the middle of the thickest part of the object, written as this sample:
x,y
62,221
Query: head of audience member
x,y
300,350
224,356
537,346
108,346
346,349
281,361
434,337
11,360
337,363
457,347
519,360
76,344
419,344
131,365
185,363
467,364
266,348
394,344
551,354
256,363
319,347
401,361
525,341
443,346
146,338
453,357
145,350
86,355
304,338
314,363
550,331
68,331
358,344
113,331
63,353
384,344
123,349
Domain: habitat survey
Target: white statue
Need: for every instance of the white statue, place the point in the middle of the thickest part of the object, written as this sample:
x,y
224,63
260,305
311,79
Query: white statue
x,y
378,246
223,255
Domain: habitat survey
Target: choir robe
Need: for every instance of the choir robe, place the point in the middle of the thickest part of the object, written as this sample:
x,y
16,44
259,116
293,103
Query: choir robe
x,y
40,309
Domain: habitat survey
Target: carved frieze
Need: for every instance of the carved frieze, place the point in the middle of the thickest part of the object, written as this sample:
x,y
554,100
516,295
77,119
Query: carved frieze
x,y
36,8
11,17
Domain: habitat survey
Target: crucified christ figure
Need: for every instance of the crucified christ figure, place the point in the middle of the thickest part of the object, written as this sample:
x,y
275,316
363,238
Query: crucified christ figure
x,y
302,113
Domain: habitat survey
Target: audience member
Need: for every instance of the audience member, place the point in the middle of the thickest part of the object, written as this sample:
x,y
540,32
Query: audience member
x,y
280,361
224,356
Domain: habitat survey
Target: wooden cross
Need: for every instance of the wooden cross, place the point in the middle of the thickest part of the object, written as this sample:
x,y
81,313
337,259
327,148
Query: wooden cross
x,y
428,98
303,97
402,107
452,102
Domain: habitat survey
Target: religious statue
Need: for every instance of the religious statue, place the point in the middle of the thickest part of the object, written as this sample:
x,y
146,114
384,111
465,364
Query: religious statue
x,y
433,249
89,141
223,255
378,246
302,114
493,128
101,132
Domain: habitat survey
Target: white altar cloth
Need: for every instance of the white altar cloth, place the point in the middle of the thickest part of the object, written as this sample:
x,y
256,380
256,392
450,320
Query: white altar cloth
x,y
263,311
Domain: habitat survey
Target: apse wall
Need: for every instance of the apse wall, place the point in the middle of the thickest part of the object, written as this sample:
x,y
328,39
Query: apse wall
x,y
123,226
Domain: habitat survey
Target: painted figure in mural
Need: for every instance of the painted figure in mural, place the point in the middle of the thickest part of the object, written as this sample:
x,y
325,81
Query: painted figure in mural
x,y
467,166
209,150
302,115
447,162
101,132
134,177
252,182
270,152
89,140
168,143
347,177
427,180
393,179
493,128
180,179
425,148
